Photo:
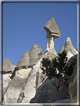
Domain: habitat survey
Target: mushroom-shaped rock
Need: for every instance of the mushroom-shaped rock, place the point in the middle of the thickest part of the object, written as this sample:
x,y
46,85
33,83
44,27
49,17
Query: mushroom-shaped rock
x,y
35,54
52,29
52,32
24,61
7,66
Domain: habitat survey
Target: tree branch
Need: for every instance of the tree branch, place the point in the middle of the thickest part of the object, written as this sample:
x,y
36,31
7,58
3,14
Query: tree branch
x,y
54,85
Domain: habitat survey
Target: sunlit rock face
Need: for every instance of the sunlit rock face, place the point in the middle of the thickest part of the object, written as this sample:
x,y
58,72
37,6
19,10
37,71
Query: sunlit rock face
x,y
52,33
15,86
68,47
29,59
50,43
33,81
35,54
52,29
8,69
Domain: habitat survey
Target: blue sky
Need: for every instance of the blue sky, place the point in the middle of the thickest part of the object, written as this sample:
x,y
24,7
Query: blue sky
x,y
23,26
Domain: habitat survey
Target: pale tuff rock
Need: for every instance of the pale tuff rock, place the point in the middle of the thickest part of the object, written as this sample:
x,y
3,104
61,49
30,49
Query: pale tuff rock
x,y
35,54
50,53
15,87
31,85
61,50
7,66
52,29
52,32
8,69
29,59
50,44
23,73
68,47
6,77
29,89
24,61
69,55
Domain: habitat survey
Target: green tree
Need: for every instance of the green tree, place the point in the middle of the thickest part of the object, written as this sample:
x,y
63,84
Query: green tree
x,y
57,67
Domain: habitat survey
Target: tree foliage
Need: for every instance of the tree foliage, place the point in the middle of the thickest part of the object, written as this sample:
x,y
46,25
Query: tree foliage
x,y
57,67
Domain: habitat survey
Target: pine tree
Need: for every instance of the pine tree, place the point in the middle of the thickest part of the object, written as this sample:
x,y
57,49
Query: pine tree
x,y
57,67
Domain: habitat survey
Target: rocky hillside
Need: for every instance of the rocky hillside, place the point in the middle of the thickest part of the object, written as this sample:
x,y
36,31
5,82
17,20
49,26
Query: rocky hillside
x,y
26,83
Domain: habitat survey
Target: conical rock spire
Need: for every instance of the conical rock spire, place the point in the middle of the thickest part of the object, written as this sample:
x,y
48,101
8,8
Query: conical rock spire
x,y
7,66
68,47
24,61
30,58
52,29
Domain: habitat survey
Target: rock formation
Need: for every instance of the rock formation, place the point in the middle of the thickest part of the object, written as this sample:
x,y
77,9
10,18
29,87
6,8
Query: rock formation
x,y
47,92
35,54
30,58
74,81
15,87
24,62
8,69
7,66
52,32
71,51
25,82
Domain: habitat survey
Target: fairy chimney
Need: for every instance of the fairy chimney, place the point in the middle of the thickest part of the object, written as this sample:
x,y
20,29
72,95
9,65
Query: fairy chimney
x,y
52,32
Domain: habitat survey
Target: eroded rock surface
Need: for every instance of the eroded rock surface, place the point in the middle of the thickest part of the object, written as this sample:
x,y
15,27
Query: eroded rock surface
x,y
30,58
73,81
7,66
15,87
71,51
48,92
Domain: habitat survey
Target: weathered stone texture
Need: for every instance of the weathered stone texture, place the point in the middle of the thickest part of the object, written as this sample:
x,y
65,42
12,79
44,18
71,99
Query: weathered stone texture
x,y
47,92
73,82
52,29
68,47
30,58
24,61
29,89
35,54
7,66
15,87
